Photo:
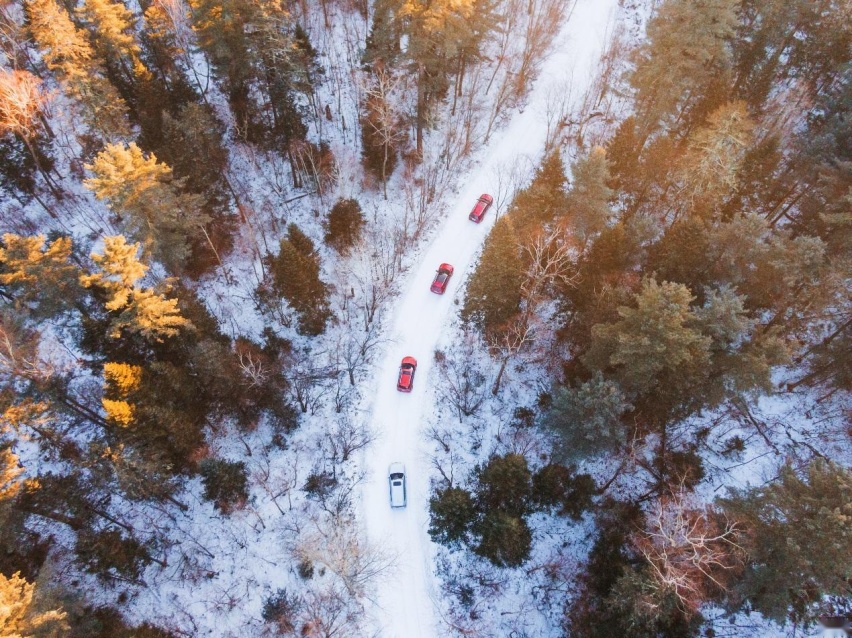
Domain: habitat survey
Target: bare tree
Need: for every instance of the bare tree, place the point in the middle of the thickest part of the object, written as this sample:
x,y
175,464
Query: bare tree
x,y
462,384
690,550
309,379
355,349
341,547
329,613
550,259
22,105
346,437
508,342
381,117
509,177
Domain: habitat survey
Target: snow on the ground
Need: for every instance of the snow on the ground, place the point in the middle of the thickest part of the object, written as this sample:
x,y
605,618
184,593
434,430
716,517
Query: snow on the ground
x,y
405,601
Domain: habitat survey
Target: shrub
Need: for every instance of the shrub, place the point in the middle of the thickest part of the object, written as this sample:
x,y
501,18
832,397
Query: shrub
x,y
225,483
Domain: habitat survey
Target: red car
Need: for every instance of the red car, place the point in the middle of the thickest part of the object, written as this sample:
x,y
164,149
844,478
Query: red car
x,y
442,278
482,205
406,374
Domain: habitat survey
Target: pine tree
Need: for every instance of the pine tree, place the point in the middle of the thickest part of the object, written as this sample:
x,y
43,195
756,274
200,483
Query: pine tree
x,y
68,54
504,483
588,200
656,339
494,292
295,273
19,613
157,214
587,419
709,171
121,380
452,511
136,309
40,277
686,49
112,26
544,199
10,483
505,540
798,535
345,222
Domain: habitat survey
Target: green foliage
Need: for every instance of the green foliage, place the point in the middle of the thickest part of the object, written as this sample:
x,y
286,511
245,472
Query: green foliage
x,y
39,275
141,192
653,343
109,554
69,55
545,199
132,308
588,200
798,535
587,419
494,292
505,540
345,222
555,485
225,483
687,47
452,512
504,483
295,274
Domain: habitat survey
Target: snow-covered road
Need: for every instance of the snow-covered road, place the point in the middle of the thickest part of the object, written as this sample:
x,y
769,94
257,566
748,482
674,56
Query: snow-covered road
x,y
405,603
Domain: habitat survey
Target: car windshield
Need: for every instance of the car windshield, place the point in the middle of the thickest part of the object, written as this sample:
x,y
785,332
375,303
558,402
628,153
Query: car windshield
x,y
396,476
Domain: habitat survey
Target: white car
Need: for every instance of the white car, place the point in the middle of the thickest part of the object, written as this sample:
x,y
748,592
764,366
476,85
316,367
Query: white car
x,y
396,480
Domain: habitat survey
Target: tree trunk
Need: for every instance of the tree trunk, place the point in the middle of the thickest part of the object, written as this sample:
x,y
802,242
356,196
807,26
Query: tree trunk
x,y
496,387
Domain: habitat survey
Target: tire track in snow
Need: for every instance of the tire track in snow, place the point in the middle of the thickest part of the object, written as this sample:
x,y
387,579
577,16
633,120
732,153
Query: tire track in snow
x,y
405,605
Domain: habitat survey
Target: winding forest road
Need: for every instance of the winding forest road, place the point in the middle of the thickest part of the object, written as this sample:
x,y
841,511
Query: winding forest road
x,y
406,600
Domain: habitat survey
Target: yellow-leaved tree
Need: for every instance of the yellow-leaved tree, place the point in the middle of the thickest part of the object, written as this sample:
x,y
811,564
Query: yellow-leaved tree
x,y
20,616
153,211
67,53
120,381
135,309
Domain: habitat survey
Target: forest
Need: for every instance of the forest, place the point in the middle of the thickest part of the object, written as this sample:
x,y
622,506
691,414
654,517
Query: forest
x,y
631,413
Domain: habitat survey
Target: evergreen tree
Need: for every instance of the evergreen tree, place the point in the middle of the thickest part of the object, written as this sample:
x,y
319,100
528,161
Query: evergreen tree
x,y
494,292
709,171
587,419
797,534
588,201
295,274
544,199
19,613
653,344
67,53
225,483
157,214
132,308
555,485
110,554
505,540
39,276
686,49
452,511
345,222
504,484
112,26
